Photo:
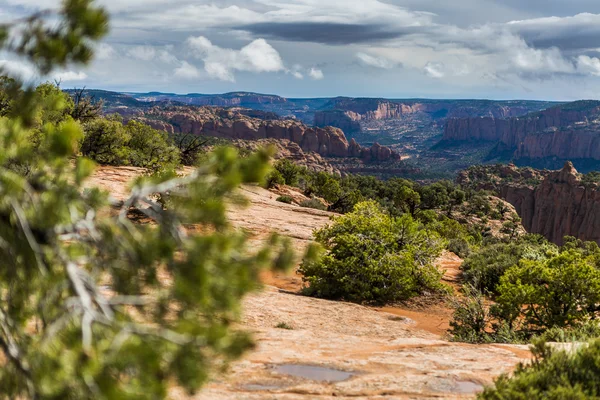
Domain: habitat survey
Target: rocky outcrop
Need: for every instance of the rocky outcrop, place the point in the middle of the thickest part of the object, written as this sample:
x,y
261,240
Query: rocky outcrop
x,y
232,124
565,132
347,113
565,144
559,206
338,118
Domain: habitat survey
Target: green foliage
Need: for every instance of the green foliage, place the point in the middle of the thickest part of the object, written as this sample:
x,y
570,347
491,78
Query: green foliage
x,y
537,295
553,375
581,333
314,203
285,199
105,142
93,305
484,268
150,148
289,171
543,293
273,179
471,319
373,257
108,141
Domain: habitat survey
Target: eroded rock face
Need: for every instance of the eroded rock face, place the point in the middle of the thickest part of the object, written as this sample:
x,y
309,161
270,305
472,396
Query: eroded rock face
x,y
231,124
562,132
557,207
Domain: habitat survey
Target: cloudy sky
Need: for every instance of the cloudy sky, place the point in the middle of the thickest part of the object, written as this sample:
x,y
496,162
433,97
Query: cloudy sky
x,y
499,49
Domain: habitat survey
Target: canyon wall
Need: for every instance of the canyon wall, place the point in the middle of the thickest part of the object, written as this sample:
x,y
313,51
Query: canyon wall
x,y
234,124
563,132
559,206
565,144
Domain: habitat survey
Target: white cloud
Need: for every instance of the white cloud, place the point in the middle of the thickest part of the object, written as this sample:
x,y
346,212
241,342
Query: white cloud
x,y
186,71
19,69
150,53
220,63
378,62
67,76
104,51
589,65
435,70
316,74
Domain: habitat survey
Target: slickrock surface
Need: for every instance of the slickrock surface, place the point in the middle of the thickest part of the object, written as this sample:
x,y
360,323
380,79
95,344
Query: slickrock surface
x,y
387,354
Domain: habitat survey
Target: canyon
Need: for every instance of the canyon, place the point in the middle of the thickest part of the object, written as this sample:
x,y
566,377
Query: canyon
x,y
554,204
239,124
569,132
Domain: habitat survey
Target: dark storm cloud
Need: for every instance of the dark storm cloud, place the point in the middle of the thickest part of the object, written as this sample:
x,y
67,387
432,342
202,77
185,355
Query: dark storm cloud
x,y
327,33
581,31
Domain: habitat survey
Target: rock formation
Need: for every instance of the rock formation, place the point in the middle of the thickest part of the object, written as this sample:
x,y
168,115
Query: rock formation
x,y
558,206
348,113
233,124
564,132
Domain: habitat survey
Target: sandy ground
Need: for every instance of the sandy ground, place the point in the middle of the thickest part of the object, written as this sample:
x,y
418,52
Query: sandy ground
x,y
360,352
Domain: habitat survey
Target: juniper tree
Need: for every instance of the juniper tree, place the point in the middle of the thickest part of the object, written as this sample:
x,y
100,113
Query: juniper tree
x,y
92,305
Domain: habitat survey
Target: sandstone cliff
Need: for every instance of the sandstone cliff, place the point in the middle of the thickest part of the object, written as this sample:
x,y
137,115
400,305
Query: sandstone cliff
x,y
234,124
348,113
558,206
564,132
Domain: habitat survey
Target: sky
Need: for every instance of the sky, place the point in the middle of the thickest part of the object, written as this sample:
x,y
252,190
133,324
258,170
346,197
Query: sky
x,y
495,49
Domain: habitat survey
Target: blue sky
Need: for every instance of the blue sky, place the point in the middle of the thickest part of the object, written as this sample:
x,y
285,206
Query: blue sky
x,y
499,49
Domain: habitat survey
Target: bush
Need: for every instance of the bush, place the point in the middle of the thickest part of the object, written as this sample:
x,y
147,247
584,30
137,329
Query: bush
x,y
105,141
582,333
108,141
563,291
484,268
460,247
314,203
285,199
150,148
372,257
471,318
273,179
553,375
289,171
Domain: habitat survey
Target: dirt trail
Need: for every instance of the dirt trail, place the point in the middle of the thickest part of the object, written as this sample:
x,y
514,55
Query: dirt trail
x,y
390,353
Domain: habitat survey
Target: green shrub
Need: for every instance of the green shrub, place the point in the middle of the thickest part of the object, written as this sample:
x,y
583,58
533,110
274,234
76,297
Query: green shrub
x,y
460,247
273,179
373,257
105,141
484,268
150,148
289,171
108,141
553,375
285,199
314,203
581,333
471,318
561,292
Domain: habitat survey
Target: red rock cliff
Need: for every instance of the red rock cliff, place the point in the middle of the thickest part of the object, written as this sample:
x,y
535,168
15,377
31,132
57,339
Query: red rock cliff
x,y
556,132
232,124
559,206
